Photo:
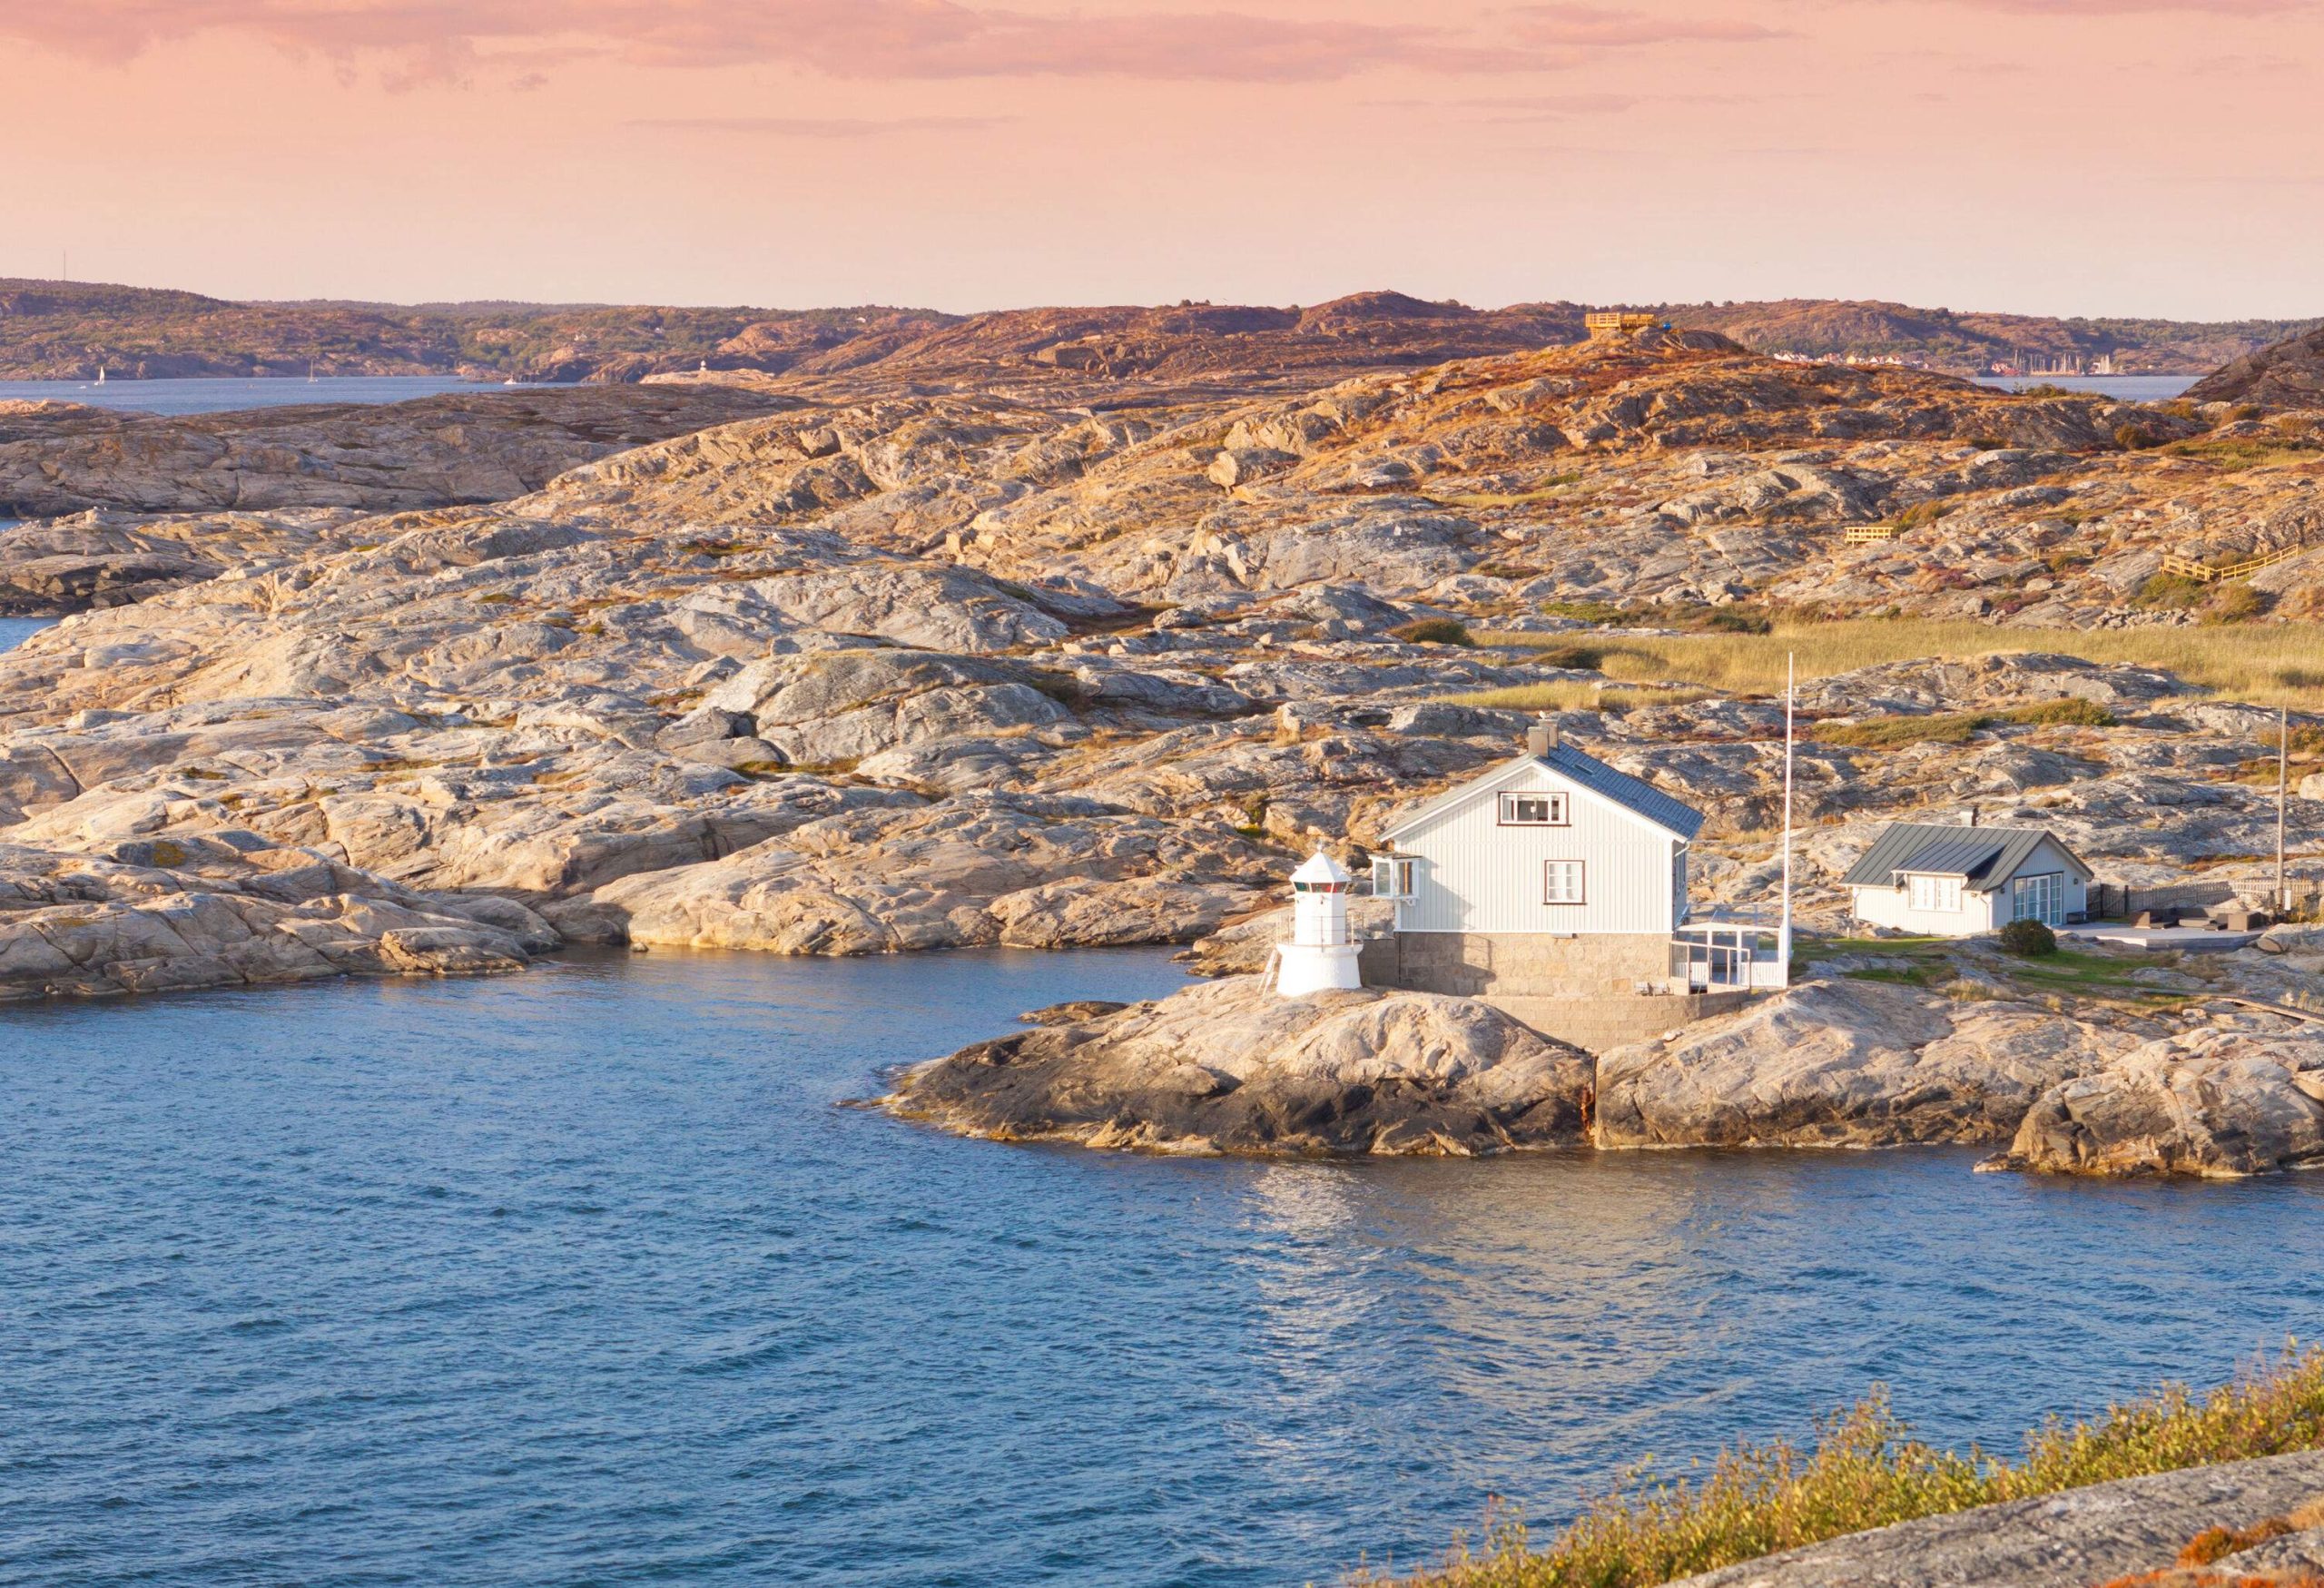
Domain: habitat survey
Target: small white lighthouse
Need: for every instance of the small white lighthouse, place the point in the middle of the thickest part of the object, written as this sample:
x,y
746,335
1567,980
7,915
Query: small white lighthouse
x,y
1321,955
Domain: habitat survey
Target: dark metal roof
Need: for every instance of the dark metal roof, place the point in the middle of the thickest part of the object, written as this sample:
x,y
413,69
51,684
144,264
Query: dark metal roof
x,y
1633,795
1983,857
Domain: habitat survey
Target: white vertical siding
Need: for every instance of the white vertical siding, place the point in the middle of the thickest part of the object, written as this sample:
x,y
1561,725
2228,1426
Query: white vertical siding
x,y
1893,907
2047,857
1477,875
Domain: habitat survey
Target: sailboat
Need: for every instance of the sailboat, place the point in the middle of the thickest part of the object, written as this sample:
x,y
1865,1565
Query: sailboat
x,y
101,374
311,371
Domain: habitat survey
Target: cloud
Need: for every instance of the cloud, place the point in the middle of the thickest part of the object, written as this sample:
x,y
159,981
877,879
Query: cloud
x,y
1604,27
819,127
453,40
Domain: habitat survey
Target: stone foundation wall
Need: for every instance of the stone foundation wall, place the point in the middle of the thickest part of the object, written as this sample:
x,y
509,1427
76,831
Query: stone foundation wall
x,y
1514,964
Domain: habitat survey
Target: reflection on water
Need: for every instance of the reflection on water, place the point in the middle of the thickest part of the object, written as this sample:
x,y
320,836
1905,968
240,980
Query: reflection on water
x,y
581,1276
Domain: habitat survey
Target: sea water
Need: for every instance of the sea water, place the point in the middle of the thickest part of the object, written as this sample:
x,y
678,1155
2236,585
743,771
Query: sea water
x,y
223,394
16,631
2122,388
586,1276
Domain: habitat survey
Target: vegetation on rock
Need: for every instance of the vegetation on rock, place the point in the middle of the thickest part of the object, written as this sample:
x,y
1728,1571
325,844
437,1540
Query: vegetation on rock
x,y
2028,939
1865,1470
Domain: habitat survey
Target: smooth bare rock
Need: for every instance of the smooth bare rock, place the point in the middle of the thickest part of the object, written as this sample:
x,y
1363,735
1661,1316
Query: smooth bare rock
x,y
464,447
1843,1064
1078,1012
165,915
2209,1103
967,871
2076,1539
1231,1066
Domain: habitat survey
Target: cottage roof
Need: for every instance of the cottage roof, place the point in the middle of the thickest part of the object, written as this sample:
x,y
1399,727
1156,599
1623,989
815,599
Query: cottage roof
x,y
1983,857
1634,794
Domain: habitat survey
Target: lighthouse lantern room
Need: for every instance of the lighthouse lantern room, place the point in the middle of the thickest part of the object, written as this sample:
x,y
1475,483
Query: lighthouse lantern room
x,y
1321,956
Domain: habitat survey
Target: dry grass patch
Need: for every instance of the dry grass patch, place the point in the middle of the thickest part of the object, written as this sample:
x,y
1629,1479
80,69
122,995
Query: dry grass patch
x,y
1865,1470
2271,664
1579,694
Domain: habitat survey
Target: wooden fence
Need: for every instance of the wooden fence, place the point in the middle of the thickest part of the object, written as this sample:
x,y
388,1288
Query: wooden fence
x,y
2202,573
1866,534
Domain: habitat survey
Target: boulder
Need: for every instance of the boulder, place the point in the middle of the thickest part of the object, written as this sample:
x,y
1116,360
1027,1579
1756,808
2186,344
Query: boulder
x,y
1848,1063
2212,1103
1232,1067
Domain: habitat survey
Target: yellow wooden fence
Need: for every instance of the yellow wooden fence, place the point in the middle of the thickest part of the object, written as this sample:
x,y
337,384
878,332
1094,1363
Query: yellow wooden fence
x,y
2187,567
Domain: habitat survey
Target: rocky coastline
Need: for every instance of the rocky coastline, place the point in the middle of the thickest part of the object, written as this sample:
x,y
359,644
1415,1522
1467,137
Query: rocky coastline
x,y
437,687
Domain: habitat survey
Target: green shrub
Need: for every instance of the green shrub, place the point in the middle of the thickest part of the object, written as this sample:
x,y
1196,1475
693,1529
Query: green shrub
x,y
1584,658
2175,591
2029,940
2235,603
1434,631
2131,437
2070,713
1894,732
1737,620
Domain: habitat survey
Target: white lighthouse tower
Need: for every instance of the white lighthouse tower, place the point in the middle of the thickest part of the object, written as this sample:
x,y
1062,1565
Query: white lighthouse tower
x,y
1321,955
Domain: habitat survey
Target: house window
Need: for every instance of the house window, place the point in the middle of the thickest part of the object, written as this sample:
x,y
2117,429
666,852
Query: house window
x,y
1391,877
1533,810
2039,898
1936,893
1563,882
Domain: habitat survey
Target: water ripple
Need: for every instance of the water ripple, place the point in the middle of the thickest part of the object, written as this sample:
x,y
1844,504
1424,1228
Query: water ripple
x,y
584,1277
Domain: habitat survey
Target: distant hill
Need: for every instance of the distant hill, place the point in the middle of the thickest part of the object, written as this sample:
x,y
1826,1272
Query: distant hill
x,y
1971,343
69,330
2289,374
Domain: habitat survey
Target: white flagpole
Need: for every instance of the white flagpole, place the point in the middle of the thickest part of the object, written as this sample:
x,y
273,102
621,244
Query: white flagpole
x,y
1783,933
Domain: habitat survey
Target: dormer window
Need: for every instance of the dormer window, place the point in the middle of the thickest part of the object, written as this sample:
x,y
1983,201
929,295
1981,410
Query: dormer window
x,y
1533,810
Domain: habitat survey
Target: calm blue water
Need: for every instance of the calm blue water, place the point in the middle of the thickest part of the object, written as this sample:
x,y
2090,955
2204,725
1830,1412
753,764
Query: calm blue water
x,y
221,395
582,1277
2124,387
16,631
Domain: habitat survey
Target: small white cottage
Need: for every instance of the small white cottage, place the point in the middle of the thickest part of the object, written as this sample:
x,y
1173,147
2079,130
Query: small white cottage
x,y
1551,875
1959,879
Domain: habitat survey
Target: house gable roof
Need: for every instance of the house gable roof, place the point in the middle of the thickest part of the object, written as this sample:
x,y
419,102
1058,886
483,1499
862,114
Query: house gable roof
x,y
1983,857
1636,796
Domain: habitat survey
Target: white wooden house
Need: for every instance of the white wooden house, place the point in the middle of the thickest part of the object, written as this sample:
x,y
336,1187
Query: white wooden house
x,y
1551,875
1957,879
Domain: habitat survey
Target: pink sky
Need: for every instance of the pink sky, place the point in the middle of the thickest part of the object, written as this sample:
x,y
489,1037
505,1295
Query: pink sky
x,y
2057,156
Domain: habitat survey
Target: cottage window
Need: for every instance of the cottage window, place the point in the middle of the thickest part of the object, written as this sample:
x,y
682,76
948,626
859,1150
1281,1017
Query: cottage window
x,y
1533,810
1936,893
1563,883
2039,898
1391,877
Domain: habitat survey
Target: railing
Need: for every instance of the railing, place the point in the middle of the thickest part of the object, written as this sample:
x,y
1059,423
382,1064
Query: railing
x,y
2203,573
1708,958
1868,533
